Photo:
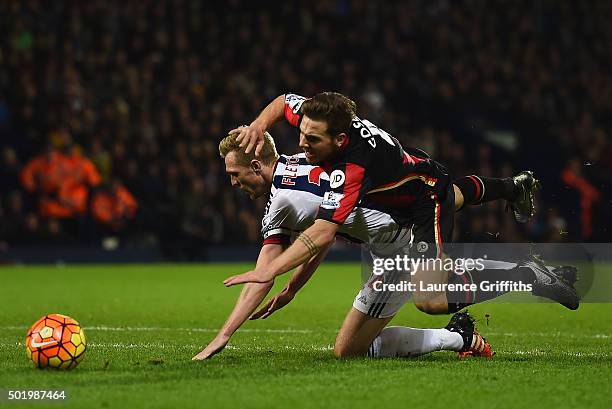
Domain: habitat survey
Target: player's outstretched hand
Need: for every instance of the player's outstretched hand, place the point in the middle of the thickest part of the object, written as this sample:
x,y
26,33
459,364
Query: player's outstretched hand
x,y
275,303
253,276
215,346
250,137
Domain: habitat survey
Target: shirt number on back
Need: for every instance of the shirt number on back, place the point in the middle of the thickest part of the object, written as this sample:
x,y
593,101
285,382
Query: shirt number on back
x,y
367,130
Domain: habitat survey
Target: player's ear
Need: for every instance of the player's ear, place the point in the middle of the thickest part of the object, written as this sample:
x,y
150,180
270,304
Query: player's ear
x,y
256,166
340,139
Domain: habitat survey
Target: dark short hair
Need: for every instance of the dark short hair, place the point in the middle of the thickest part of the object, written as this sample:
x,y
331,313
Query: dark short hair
x,y
332,107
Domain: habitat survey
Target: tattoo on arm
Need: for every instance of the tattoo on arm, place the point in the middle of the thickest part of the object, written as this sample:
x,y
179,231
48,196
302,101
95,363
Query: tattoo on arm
x,y
310,245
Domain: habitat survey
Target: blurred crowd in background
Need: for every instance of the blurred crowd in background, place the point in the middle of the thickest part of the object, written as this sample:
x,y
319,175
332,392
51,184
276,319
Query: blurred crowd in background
x,y
110,112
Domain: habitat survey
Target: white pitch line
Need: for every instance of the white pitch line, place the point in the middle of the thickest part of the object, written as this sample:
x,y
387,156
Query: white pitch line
x,y
545,334
145,345
158,329
574,354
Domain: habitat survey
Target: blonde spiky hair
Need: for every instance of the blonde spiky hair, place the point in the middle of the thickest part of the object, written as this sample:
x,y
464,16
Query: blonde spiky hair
x,y
268,154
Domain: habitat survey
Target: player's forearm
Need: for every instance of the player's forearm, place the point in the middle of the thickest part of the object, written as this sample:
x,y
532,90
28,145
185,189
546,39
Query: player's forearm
x,y
251,296
308,245
271,114
304,272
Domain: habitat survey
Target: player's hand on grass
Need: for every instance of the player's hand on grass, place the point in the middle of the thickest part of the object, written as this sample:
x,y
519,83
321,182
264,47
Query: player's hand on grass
x,y
216,345
253,276
275,303
250,137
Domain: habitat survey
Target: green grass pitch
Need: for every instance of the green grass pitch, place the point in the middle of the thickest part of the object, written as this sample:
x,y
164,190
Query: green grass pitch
x,y
145,322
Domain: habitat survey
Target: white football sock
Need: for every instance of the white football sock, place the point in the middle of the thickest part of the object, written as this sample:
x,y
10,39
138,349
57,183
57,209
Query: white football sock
x,y
410,342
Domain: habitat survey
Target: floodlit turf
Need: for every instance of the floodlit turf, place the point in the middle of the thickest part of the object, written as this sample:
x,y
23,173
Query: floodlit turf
x,y
145,322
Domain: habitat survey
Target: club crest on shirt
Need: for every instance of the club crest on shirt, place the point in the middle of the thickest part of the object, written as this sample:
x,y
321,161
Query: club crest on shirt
x,y
331,200
266,221
294,101
336,179
422,247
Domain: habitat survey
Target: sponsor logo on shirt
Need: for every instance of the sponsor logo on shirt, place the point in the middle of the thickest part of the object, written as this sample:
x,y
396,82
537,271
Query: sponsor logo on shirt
x,y
336,179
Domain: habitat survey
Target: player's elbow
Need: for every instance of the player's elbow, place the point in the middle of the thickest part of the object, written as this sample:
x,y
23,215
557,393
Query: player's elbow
x,y
327,238
325,234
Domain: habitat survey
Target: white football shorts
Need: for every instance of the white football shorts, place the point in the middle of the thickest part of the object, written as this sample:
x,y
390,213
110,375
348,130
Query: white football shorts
x,y
383,295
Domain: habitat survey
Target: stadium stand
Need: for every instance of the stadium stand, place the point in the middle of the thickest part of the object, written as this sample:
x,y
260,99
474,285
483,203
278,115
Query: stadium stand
x,y
146,89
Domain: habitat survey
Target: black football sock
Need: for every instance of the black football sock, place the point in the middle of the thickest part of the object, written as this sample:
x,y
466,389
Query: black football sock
x,y
481,189
500,278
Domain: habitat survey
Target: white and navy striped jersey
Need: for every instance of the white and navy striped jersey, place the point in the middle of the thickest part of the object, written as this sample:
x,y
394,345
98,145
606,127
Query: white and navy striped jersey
x,y
300,189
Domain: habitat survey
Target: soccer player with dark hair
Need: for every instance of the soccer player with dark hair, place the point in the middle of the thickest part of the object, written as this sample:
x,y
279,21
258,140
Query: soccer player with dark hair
x,y
366,165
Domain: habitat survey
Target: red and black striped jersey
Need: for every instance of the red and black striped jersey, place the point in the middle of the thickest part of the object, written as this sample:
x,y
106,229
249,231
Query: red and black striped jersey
x,y
374,169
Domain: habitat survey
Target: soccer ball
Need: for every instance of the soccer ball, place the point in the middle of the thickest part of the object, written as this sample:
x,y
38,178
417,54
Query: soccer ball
x,y
56,341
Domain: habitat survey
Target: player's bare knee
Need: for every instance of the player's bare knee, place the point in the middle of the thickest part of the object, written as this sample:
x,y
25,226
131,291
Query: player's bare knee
x,y
343,352
343,349
340,352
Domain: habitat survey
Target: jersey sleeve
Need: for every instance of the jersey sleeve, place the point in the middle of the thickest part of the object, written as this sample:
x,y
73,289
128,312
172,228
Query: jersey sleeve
x,y
348,183
279,220
293,108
